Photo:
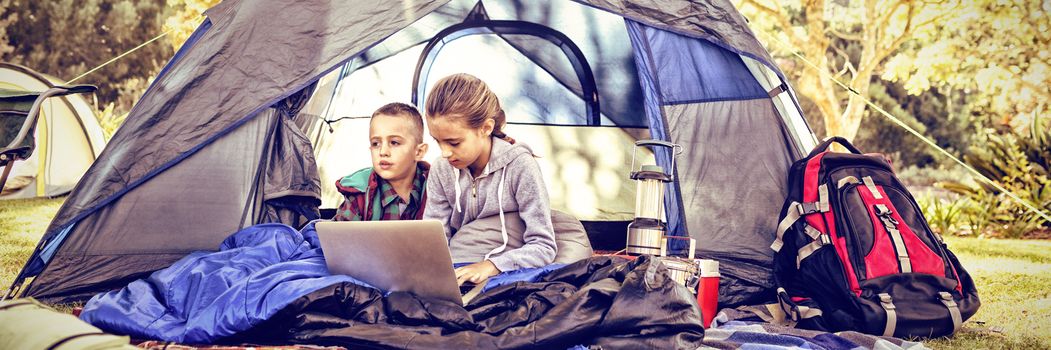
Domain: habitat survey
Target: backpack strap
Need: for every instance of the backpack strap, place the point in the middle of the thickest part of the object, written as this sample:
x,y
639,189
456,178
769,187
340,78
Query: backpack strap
x,y
892,316
819,240
891,225
789,310
850,179
872,187
954,309
798,210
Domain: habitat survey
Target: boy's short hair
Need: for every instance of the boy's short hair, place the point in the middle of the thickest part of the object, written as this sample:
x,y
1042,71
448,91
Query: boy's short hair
x,y
403,110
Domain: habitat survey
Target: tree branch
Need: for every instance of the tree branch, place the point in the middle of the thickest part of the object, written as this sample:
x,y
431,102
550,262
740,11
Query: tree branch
x,y
1039,90
909,27
885,18
847,65
815,15
906,34
780,17
844,36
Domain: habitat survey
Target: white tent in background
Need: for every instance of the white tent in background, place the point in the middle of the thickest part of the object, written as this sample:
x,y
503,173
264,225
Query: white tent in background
x,y
67,135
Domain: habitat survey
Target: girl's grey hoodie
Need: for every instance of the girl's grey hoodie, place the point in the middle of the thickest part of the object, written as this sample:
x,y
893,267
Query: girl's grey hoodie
x,y
511,182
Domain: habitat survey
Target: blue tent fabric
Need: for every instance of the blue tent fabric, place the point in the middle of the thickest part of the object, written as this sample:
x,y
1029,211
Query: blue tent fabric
x,y
676,69
652,99
693,70
702,96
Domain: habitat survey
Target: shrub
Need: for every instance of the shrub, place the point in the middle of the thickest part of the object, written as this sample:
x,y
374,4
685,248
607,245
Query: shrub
x,y
1019,161
110,120
943,215
916,176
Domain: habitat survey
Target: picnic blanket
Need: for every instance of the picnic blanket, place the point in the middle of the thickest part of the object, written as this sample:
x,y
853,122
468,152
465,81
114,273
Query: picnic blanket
x,y
758,335
269,283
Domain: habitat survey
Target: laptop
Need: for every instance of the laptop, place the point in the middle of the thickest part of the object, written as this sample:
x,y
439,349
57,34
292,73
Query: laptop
x,y
398,255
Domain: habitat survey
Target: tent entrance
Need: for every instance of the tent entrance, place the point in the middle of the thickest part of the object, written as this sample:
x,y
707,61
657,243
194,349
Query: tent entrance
x,y
507,30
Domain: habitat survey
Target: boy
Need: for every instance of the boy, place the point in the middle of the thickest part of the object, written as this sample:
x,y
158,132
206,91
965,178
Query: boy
x,y
393,188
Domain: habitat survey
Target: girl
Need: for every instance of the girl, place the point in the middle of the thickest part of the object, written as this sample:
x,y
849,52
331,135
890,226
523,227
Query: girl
x,y
484,172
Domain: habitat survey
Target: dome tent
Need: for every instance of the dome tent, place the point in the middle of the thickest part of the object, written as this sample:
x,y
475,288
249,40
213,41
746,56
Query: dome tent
x,y
67,138
244,125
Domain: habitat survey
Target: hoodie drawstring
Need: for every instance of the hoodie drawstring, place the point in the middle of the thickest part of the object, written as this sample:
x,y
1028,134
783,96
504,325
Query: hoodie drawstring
x,y
500,205
458,209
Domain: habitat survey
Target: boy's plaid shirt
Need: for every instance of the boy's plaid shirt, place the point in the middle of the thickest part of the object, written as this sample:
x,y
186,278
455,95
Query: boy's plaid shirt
x,y
388,201
384,200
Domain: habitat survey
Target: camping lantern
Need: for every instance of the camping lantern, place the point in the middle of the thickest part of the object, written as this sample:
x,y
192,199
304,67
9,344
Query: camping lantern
x,y
646,231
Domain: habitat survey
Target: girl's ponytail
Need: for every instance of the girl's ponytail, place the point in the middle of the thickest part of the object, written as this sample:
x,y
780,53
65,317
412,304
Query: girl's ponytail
x,y
498,131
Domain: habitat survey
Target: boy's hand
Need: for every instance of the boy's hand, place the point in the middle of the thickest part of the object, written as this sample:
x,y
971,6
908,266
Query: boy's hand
x,y
476,273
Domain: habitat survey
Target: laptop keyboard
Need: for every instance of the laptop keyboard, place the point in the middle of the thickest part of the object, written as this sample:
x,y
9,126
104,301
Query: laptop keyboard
x,y
466,287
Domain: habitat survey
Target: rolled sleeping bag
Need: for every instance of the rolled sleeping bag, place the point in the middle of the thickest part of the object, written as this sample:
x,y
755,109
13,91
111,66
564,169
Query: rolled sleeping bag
x,y
29,324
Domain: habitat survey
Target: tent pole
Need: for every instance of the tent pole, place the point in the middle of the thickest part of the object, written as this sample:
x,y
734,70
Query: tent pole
x,y
7,169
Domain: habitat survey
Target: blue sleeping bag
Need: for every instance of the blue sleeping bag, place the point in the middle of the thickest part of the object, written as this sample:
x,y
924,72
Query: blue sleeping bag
x,y
207,296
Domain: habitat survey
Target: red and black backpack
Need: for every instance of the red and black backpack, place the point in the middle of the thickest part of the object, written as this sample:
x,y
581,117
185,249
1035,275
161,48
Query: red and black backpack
x,y
854,252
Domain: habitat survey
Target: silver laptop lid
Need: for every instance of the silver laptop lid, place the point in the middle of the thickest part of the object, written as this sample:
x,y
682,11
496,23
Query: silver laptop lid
x,y
401,255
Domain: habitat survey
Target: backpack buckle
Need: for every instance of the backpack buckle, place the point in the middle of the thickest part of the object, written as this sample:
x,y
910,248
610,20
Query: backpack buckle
x,y
947,298
790,308
886,301
884,212
881,210
808,208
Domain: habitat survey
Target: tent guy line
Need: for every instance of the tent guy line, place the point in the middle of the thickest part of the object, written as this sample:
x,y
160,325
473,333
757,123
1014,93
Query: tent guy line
x,y
126,53
923,138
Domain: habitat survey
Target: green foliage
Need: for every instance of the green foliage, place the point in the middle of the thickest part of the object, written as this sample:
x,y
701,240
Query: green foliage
x,y
915,176
943,216
976,213
877,134
6,20
1019,162
997,50
66,38
110,121
185,17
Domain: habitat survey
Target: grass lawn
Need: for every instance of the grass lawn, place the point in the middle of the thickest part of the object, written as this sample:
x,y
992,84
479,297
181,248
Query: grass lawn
x,y
1013,277
22,222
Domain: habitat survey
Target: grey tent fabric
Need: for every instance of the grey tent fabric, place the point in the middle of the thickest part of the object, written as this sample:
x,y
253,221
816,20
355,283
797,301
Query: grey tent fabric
x,y
234,67
159,223
239,66
292,191
732,222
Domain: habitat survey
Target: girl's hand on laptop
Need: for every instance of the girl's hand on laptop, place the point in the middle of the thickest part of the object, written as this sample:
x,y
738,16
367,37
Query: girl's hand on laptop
x,y
476,273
